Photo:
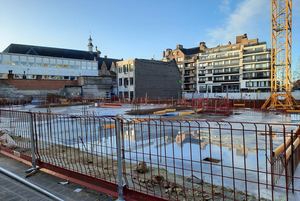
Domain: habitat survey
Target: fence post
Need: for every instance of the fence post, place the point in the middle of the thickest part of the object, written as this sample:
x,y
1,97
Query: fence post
x,y
119,158
292,159
32,143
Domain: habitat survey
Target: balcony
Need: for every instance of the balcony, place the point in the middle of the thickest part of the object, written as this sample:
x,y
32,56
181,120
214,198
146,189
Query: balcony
x,y
257,51
232,64
257,77
201,74
232,72
189,60
255,69
232,80
201,81
189,75
216,58
257,60
189,81
254,44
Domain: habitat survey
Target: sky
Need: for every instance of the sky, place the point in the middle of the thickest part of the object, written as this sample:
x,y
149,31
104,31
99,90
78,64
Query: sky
x,y
138,28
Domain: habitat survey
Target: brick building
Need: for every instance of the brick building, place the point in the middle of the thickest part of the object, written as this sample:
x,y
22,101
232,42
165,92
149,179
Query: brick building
x,y
138,78
242,66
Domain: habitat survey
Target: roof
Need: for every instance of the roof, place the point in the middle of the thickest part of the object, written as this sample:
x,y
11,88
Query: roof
x,y
194,50
49,51
108,61
58,52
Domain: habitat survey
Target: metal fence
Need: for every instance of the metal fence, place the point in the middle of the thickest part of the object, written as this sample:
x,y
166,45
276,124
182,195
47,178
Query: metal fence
x,y
171,159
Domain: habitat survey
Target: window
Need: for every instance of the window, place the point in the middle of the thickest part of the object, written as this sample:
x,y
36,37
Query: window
x,y
53,77
233,47
6,59
180,59
211,57
220,55
261,57
218,78
226,78
226,62
173,53
60,66
177,52
248,58
209,78
103,71
120,70
209,71
66,77
235,61
223,49
202,65
187,65
218,63
202,58
180,65
261,66
229,54
226,70
249,66
131,81
125,82
202,72
215,50
131,67
125,69
218,71
202,79
59,77
236,54
235,69
66,66
120,81
234,77
259,49
251,43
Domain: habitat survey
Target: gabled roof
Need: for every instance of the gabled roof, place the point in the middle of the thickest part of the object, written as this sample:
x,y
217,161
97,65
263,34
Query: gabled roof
x,y
189,51
58,52
108,62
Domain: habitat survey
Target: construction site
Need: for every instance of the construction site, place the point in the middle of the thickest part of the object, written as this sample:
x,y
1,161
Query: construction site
x,y
169,148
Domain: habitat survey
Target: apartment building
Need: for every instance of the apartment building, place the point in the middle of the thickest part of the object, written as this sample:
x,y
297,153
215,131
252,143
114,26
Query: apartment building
x,y
137,78
240,67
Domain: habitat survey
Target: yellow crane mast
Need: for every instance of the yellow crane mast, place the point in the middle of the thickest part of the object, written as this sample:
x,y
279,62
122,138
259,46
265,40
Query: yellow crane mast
x,y
281,89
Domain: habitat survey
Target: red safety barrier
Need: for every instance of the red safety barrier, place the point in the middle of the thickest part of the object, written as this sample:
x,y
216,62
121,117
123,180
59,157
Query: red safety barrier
x,y
166,159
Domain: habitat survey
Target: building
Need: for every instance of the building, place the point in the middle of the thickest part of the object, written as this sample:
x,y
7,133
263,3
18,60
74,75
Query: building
x,y
137,78
239,67
47,68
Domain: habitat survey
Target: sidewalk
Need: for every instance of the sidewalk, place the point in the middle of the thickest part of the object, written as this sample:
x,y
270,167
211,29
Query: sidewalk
x,y
11,190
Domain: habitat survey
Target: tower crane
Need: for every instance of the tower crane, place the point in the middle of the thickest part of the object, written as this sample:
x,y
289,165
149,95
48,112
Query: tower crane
x,y
281,89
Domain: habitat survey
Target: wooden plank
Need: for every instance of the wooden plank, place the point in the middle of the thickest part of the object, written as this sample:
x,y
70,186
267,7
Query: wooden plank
x,y
236,104
292,110
160,112
170,110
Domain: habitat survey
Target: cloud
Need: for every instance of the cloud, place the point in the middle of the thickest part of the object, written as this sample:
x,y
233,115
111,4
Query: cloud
x,y
246,18
224,7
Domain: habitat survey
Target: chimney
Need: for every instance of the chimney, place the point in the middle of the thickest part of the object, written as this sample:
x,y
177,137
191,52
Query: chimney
x,y
202,45
168,51
229,43
179,46
105,56
164,54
